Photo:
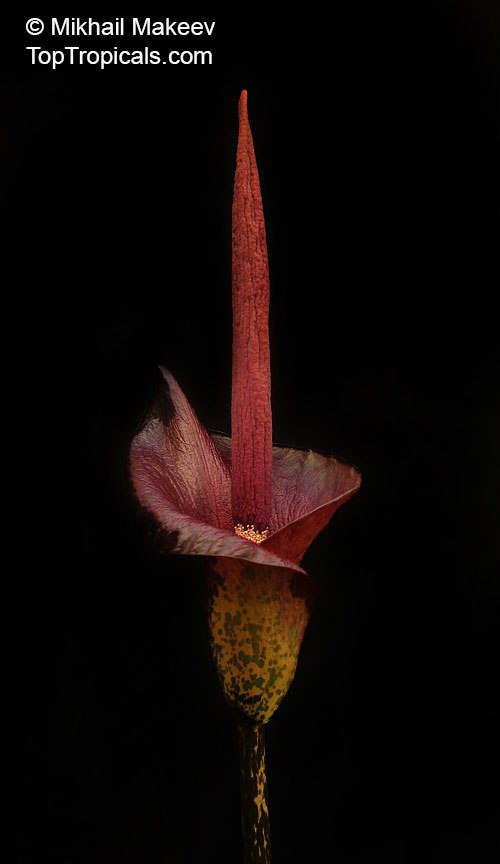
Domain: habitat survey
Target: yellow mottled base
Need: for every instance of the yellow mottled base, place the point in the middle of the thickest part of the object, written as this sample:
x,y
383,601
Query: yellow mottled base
x,y
257,618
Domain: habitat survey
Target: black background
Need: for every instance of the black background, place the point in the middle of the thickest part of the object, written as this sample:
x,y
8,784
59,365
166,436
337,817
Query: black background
x,y
377,137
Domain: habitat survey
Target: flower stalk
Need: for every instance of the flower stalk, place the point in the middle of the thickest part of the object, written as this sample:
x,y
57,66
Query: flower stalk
x,y
253,784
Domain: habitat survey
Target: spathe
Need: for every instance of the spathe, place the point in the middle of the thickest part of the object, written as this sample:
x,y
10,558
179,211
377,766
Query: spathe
x,y
182,475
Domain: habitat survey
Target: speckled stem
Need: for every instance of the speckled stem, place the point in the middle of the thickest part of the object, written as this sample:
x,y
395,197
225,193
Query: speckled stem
x,y
254,809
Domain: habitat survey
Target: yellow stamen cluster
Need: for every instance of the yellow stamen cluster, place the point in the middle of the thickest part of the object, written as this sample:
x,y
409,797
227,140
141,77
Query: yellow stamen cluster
x,y
249,532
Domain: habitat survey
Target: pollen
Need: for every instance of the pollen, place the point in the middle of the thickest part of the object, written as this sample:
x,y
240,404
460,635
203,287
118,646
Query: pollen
x,y
249,532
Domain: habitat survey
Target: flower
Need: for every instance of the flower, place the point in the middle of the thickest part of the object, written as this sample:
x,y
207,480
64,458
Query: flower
x,y
251,508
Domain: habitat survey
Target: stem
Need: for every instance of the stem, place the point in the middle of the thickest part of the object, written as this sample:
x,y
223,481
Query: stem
x,y
254,808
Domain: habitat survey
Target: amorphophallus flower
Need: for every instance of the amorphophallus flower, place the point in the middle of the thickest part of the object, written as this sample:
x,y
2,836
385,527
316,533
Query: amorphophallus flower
x,y
250,508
